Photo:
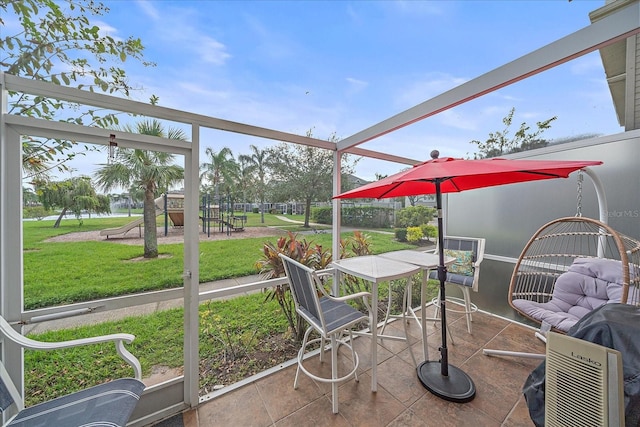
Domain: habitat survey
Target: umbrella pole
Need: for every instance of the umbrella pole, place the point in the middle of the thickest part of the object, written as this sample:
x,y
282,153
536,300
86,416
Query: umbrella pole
x,y
445,381
442,277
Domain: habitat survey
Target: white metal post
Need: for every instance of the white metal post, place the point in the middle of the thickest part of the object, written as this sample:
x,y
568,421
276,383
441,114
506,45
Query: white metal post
x,y
191,270
11,265
335,227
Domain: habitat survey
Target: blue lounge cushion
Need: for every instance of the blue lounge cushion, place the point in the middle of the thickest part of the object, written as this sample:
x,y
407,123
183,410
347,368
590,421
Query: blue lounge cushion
x,y
108,404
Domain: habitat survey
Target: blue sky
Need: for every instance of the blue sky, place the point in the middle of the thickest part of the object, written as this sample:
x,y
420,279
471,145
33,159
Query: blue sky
x,y
342,66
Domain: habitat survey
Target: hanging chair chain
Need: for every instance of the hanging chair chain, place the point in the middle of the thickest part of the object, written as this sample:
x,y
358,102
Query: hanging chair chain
x,y
579,197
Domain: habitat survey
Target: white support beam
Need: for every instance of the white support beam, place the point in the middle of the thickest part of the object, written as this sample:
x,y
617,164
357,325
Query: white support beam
x,y
336,216
191,271
630,90
11,247
92,135
382,156
119,104
113,103
617,26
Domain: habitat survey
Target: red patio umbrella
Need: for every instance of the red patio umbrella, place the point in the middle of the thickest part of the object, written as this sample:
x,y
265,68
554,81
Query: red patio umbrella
x,y
448,175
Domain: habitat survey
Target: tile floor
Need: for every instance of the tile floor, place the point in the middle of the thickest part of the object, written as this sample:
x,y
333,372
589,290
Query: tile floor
x,y
401,400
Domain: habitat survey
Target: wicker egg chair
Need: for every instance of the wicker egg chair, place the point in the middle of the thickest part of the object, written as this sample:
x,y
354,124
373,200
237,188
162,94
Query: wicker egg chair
x,y
569,267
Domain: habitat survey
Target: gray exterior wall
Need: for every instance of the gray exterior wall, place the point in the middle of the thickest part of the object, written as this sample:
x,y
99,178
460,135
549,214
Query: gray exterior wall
x,y
508,216
635,75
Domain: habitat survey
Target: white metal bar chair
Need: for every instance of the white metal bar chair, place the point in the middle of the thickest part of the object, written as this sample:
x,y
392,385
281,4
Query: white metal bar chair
x,y
464,272
329,316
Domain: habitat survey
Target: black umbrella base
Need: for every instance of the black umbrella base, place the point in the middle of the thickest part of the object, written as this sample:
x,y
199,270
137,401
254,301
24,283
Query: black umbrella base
x,y
456,387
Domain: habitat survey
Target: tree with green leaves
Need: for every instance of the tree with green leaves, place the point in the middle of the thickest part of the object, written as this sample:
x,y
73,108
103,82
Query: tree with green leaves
x,y
58,43
75,195
259,161
245,183
149,171
305,174
500,142
220,172
29,197
414,216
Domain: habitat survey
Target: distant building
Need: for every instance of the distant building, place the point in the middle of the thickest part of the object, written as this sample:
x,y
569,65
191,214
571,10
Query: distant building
x,y
422,200
353,181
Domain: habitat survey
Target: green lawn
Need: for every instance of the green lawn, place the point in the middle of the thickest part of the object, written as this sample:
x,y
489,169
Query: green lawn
x,y
68,272
234,328
60,273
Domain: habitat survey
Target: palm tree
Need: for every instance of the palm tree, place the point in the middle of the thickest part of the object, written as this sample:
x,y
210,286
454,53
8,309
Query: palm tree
x,y
148,171
222,169
245,179
259,160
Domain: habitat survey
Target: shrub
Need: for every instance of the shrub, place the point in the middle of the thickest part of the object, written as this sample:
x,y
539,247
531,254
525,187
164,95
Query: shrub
x,y
37,212
358,245
357,216
270,267
401,234
414,216
429,231
414,234
255,210
367,216
322,215
307,253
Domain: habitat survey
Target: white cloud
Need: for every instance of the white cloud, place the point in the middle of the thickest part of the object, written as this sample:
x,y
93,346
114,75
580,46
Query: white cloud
x,y
418,7
526,116
270,44
457,120
354,16
425,88
189,87
148,9
587,65
175,32
107,30
212,51
356,85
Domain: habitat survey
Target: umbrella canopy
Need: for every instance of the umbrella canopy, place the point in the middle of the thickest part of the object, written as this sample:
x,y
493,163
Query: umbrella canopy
x,y
457,175
449,175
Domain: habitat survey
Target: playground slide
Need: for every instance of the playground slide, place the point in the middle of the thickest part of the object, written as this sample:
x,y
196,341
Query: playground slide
x,y
177,218
133,224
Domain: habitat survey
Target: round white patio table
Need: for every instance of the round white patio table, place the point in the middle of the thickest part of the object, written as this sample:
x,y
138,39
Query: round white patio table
x,y
426,261
375,269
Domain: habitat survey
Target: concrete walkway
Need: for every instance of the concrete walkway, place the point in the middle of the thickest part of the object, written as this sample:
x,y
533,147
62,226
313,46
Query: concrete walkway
x,y
295,221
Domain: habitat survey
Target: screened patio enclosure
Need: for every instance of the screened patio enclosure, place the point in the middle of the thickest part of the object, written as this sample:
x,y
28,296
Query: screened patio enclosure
x,y
619,23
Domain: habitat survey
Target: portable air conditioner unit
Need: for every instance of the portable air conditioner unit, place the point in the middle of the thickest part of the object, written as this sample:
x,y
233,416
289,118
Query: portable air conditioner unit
x,y
584,385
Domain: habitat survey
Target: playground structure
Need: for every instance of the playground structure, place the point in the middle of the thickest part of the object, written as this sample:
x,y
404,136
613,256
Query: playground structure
x,y
138,222
172,206
225,221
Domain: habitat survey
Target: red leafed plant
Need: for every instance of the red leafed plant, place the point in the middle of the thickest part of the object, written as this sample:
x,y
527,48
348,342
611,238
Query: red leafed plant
x,y
307,253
